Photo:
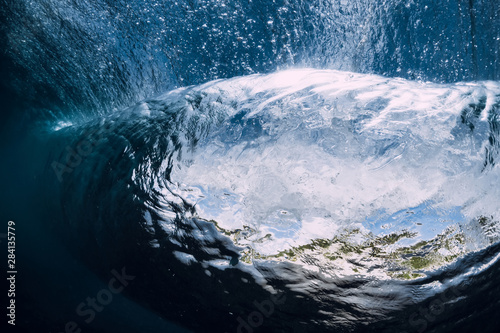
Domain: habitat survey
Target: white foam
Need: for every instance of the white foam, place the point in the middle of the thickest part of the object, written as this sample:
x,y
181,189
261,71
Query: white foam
x,y
332,149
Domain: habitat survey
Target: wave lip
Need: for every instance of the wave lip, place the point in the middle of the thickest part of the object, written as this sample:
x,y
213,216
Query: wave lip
x,y
302,182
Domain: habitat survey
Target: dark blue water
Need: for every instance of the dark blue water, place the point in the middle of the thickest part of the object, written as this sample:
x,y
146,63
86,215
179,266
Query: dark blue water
x,y
355,196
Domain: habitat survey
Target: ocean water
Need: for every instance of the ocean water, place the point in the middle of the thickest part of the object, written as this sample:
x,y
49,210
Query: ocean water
x,y
251,166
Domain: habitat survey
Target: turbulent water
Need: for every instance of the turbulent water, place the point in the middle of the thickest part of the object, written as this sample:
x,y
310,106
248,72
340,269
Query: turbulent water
x,y
312,166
